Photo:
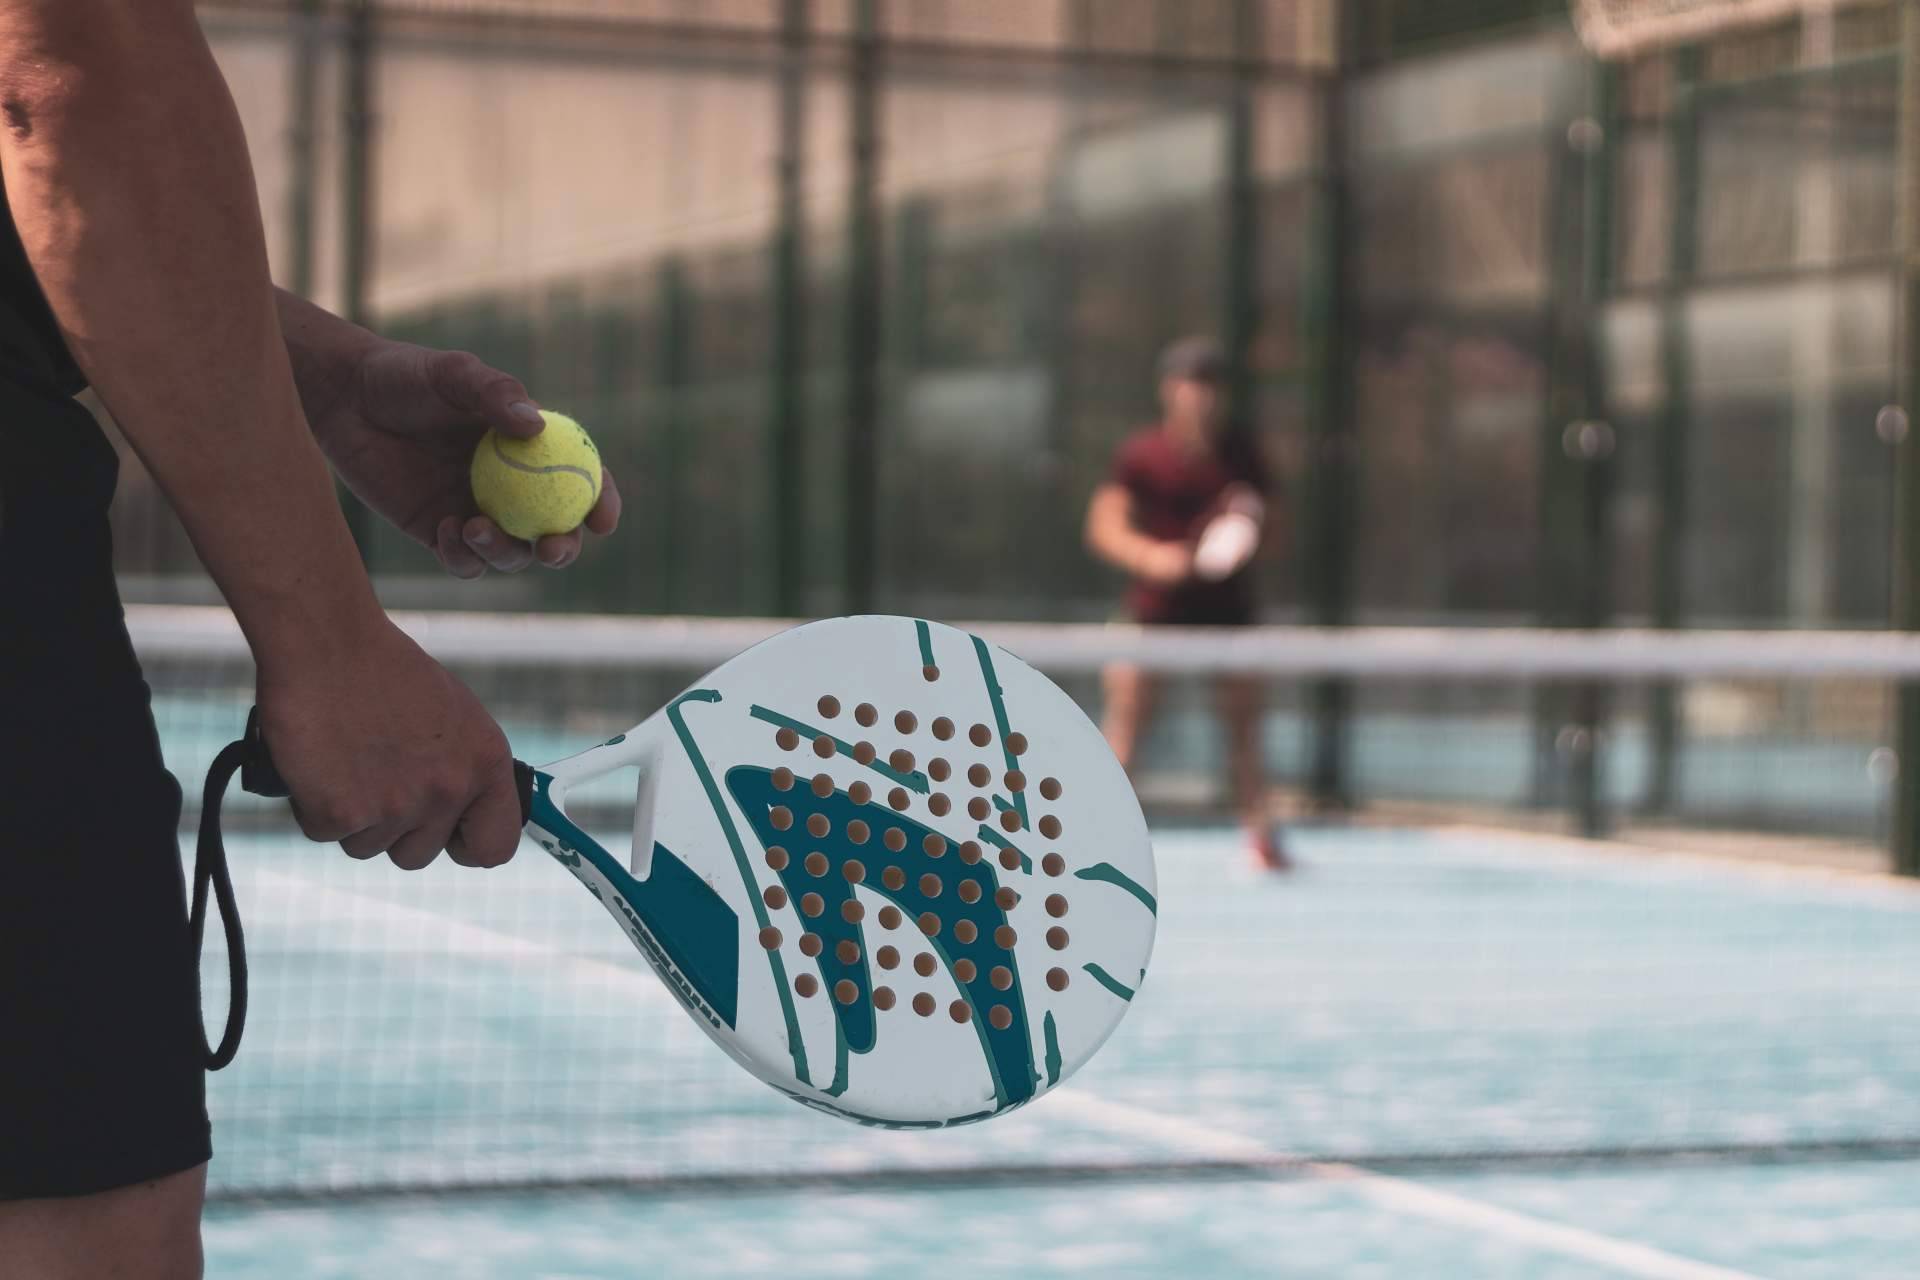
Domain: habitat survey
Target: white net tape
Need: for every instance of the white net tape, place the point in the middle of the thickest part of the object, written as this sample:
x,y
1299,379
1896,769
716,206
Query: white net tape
x,y
557,641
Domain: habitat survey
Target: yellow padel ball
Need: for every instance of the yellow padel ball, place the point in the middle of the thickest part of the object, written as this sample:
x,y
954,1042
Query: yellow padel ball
x,y
538,486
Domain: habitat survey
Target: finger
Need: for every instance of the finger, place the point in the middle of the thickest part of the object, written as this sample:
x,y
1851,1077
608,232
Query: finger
x,y
605,515
325,823
489,831
420,846
456,557
468,383
493,545
557,550
372,842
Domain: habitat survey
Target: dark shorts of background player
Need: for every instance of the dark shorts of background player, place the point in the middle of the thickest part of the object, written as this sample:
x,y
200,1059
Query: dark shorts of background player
x,y
1212,607
1231,616
102,1081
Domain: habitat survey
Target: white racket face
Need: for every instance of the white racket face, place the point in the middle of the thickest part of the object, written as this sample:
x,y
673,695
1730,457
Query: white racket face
x,y
894,871
1226,545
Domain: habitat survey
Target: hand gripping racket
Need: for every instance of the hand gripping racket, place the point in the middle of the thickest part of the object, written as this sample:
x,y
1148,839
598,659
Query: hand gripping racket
x,y
892,870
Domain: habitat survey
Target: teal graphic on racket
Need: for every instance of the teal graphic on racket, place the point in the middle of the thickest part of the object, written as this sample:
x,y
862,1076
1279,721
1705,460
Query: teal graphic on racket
x,y
891,869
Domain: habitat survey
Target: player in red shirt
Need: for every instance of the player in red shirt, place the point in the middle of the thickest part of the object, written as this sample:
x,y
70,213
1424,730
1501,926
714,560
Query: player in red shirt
x,y
1169,485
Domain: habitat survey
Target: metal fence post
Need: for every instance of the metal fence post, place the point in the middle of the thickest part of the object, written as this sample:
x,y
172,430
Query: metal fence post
x,y
1906,558
676,361
1676,416
1329,507
787,412
863,304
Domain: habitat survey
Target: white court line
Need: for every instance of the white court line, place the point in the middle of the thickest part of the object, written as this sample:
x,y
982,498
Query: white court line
x,y
1395,1194
1402,1196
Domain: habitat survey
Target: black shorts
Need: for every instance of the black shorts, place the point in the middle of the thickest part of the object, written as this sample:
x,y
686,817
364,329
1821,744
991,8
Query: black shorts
x,y
1216,610
102,1081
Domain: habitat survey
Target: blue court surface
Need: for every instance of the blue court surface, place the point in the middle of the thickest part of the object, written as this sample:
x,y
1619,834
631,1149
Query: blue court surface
x,y
1445,1053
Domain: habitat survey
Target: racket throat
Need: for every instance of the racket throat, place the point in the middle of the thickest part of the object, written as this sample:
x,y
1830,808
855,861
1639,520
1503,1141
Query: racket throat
x,y
686,931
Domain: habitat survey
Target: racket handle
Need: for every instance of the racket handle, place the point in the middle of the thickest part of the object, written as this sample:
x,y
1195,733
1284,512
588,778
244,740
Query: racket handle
x,y
259,777
523,788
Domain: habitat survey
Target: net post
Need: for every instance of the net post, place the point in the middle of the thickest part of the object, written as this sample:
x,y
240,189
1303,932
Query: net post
x,y
1906,550
1329,524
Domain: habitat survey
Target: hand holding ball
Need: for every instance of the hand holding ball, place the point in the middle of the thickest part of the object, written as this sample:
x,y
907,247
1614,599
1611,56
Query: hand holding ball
x,y
539,486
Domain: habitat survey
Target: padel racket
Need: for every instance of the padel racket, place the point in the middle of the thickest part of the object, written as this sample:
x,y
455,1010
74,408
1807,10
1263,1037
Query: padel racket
x,y
1229,540
892,870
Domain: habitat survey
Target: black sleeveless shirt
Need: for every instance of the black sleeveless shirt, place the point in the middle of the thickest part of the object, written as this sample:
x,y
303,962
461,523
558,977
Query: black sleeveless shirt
x,y
31,348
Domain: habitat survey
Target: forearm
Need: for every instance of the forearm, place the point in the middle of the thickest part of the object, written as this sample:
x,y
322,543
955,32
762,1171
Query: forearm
x,y
128,177
1110,534
1124,549
322,349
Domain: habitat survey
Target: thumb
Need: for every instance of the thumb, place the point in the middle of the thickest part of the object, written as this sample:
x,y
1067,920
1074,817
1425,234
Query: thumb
x,y
499,400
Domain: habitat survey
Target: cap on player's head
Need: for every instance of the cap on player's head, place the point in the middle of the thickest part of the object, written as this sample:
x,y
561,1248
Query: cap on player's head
x,y
1196,359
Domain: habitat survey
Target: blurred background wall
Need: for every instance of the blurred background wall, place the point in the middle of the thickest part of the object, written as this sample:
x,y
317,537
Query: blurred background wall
x,y
850,288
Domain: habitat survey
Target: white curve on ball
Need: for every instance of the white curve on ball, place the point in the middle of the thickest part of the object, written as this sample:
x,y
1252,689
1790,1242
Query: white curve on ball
x,y
558,468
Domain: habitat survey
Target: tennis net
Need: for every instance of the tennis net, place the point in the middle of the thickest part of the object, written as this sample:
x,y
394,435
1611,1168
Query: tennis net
x,y
1448,979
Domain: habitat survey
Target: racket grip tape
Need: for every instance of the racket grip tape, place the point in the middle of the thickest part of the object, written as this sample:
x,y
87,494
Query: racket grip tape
x,y
259,777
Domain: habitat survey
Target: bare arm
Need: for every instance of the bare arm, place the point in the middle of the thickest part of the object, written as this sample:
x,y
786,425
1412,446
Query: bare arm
x,y
128,177
129,180
322,349
1111,536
